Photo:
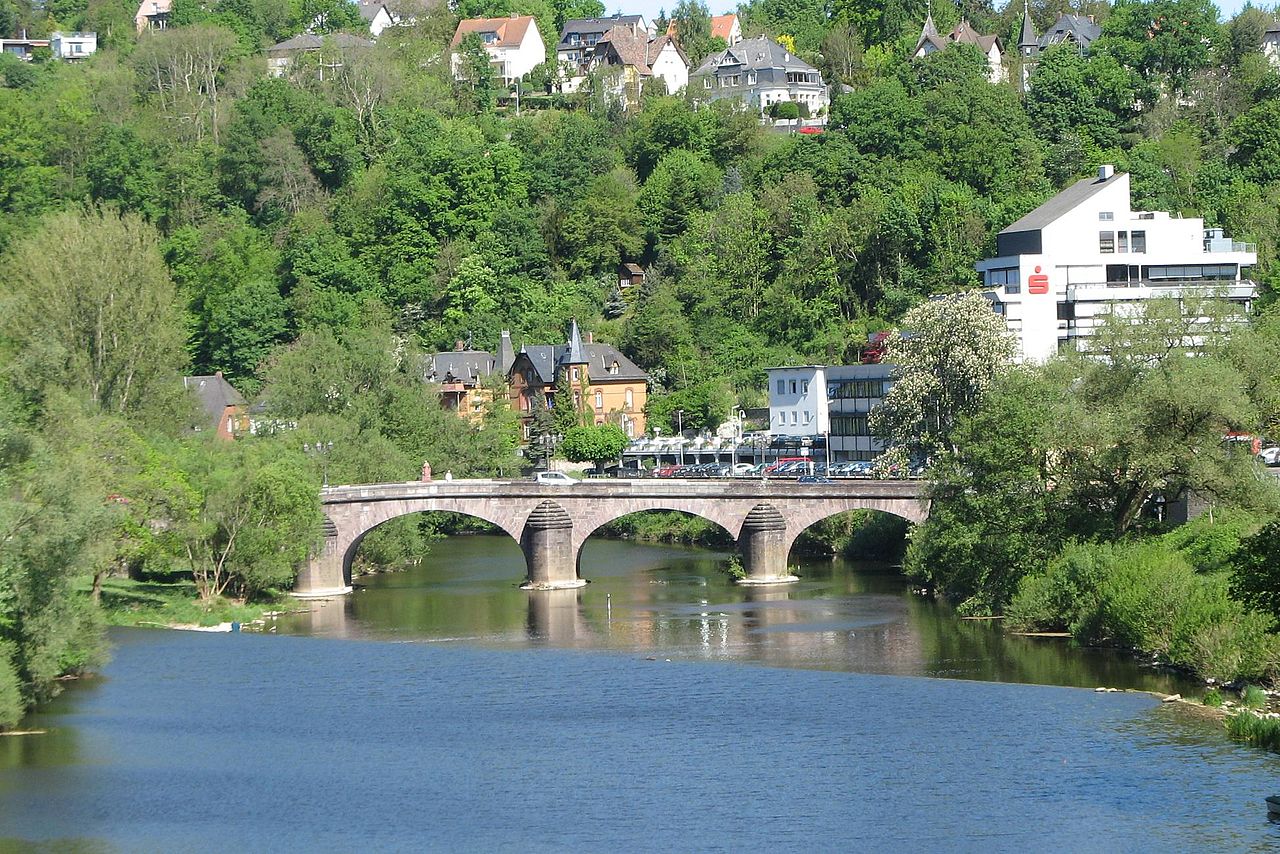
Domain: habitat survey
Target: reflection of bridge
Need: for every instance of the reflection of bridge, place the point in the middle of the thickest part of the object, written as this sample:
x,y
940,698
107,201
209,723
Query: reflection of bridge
x,y
551,522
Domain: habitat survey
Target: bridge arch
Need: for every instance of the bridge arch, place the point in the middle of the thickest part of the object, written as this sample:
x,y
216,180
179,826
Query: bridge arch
x,y
728,518
349,557
804,516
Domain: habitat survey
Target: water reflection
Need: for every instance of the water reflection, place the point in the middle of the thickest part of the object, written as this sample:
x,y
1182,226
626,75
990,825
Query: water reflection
x,y
671,602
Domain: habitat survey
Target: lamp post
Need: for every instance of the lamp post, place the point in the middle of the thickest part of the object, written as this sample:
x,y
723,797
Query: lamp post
x,y
321,450
549,442
680,430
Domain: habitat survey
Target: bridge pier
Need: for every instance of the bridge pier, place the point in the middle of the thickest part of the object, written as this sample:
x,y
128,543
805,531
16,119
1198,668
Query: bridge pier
x,y
324,574
763,547
547,544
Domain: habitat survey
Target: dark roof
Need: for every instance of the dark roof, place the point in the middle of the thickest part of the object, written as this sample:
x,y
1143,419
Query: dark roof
x,y
1028,38
633,48
369,11
750,54
1076,28
1060,204
600,26
468,367
306,41
215,395
546,358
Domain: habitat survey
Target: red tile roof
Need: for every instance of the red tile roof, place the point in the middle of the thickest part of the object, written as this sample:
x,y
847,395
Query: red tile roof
x,y
510,31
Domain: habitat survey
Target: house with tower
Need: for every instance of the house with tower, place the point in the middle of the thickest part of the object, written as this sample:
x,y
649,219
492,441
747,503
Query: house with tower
x,y
1080,31
931,41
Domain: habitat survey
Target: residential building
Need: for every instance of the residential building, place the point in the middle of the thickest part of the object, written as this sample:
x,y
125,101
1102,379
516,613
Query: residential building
x,y
1085,252
1078,30
630,276
514,45
964,33
726,27
576,48
759,72
327,51
377,16
224,409
637,58
605,383
1271,43
817,406
153,15
23,48
465,376
73,46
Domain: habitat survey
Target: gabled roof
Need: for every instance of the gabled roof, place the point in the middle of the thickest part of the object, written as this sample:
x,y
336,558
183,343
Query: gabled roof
x,y
722,26
306,41
752,54
214,393
1274,29
1028,38
964,33
547,359
369,10
1061,204
510,31
587,26
635,49
1076,28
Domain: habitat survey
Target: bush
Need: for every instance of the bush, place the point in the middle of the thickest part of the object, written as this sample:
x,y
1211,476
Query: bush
x,y
1248,728
1066,596
784,110
11,704
1213,698
1210,545
1255,571
1253,697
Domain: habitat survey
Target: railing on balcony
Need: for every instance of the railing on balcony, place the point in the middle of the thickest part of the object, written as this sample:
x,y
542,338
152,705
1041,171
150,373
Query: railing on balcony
x,y
1224,245
1222,284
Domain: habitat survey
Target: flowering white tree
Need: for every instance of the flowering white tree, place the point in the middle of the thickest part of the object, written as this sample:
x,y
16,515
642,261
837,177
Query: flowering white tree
x,y
951,350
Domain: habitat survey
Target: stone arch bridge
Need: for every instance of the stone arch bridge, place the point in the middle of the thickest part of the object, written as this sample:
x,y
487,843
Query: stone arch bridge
x,y
552,522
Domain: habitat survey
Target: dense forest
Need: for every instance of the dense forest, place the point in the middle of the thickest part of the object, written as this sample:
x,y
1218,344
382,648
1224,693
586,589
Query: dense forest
x,y
167,207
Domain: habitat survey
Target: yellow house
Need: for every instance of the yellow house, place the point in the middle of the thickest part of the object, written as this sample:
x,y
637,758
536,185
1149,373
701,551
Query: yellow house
x,y
605,383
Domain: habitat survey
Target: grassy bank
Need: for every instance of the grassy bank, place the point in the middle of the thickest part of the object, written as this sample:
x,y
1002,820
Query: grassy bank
x,y
152,603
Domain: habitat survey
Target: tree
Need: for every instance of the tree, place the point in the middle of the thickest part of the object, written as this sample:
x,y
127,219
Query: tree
x,y
1255,571
598,443
565,411
1164,40
951,351
477,88
91,309
1256,136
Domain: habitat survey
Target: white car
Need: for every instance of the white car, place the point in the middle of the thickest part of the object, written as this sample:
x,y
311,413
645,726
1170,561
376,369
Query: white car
x,y
1270,456
553,478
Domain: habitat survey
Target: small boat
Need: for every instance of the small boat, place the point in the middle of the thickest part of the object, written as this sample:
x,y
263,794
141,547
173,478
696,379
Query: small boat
x,y
1273,806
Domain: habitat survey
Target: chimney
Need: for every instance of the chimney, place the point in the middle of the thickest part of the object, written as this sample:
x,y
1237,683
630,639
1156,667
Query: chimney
x,y
1106,171
459,346
591,338
218,374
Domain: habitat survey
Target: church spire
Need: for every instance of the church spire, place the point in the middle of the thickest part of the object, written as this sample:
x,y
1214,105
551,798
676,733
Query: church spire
x,y
1028,39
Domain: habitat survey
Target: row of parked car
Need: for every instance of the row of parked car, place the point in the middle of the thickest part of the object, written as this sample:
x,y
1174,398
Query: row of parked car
x,y
780,468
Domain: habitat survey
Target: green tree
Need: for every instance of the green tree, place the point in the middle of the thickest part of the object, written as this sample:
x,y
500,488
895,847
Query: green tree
x,y
1256,137
1255,571
597,443
91,309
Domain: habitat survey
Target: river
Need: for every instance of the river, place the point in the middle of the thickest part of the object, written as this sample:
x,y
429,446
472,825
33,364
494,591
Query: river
x,y
658,708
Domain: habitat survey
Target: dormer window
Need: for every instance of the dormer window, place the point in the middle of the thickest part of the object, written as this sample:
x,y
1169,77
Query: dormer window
x,y
751,78
613,369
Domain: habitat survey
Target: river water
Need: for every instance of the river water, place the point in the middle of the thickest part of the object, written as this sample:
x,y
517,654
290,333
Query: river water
x,y
658,708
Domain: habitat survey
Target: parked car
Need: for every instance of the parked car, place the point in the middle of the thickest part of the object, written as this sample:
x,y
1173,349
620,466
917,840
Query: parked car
x,y
1270,456
554,478
743,469
812,478
665,471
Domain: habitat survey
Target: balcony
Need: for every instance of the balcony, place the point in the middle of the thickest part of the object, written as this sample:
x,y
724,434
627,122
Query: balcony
x,y
1222,244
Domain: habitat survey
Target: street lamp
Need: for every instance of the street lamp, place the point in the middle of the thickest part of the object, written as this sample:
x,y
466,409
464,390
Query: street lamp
x,y
680,430
549,443
321,450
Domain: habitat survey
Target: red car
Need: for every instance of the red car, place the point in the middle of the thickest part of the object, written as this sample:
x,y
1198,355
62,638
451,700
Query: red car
x,y
665,471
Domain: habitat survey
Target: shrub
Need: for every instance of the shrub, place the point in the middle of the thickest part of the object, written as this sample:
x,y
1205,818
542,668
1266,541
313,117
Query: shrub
x,y
1248,728
1066,595
1211,544
1255,570
11,703
1253,697
784,110
1213,698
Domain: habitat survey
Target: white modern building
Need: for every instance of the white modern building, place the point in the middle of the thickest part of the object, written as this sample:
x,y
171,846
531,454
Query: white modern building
x,y
816,405
73,46
1067,264
514,45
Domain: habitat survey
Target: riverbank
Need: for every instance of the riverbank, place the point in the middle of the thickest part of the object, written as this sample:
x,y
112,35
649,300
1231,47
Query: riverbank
x,y
177,605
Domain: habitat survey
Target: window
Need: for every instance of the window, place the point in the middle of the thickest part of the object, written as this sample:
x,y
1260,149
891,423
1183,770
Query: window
x,y
613,369
1066,311
1106,242
782,386
795,418
1005,277
1106,216
599,400
575,375
867,389
808,416
706,82
1138,242
1123,238
850,425
751,78
629,401
804,387
793,386
577,400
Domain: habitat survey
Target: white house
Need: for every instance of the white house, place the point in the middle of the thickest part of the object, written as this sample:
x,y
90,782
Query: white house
x,y
514,45
1061,268
637,57
759,72
828,404
575,51
73,45
377,16
990,46
726,27
1271,44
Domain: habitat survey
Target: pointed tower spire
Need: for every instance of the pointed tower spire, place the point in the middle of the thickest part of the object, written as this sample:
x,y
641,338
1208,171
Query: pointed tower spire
x,y
575,356
1028,39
